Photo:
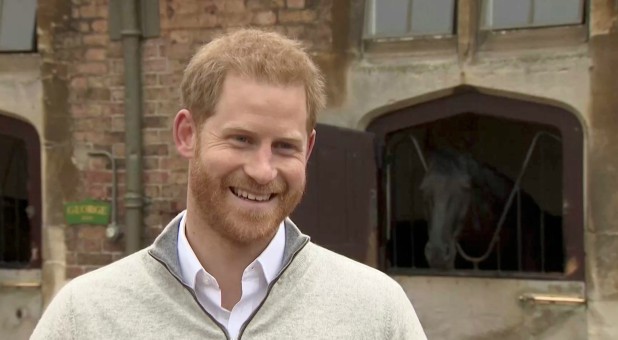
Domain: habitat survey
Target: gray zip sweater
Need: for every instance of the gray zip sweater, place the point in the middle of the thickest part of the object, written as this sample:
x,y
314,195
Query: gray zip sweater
x,y
317,295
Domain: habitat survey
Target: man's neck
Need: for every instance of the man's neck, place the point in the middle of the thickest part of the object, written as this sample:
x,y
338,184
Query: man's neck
x,y
225,260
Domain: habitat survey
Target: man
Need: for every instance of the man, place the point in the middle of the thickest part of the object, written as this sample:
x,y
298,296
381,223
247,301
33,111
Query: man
x,y
233,266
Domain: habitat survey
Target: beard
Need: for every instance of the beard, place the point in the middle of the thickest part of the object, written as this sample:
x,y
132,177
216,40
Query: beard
x,y
240,225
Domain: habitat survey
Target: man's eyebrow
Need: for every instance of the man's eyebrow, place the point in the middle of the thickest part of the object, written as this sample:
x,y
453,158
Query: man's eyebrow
x,y
237,130
292,138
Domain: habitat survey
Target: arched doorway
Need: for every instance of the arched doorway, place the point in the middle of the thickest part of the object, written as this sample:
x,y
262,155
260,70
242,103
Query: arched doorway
x,y
20,228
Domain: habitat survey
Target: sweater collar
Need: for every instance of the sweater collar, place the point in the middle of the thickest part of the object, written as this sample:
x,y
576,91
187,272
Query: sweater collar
x,y
164,248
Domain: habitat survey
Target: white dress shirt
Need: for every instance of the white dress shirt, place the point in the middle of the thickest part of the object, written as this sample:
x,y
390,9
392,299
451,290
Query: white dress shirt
x,y
255,280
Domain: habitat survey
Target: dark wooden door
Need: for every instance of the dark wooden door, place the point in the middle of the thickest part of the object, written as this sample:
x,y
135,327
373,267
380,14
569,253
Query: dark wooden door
x,y
338,210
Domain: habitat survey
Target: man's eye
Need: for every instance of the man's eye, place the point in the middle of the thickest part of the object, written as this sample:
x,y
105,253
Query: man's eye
x,y
241,139
285,146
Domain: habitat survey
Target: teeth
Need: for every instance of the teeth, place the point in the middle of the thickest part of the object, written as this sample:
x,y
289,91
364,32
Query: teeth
x,y
250,196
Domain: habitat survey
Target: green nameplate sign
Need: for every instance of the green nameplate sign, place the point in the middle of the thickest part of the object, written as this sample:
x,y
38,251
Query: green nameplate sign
x,y
87,212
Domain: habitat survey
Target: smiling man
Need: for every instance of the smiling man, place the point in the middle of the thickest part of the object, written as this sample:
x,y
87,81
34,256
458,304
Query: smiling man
x,y
233,265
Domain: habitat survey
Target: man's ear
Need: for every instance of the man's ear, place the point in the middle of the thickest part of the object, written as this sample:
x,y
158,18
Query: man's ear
x,y
185,133
310,143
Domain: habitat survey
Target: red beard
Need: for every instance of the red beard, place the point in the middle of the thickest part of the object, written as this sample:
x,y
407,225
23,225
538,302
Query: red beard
x,y
212,198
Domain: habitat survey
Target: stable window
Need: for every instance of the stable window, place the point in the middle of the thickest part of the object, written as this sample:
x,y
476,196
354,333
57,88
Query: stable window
x,y
17,25
509,14
405,18
480,185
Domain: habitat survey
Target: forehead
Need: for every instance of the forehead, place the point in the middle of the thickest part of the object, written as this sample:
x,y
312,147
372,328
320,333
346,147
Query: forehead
x,y
249,103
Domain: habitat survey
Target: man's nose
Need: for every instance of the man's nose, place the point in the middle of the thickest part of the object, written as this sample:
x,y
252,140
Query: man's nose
x,y
259,166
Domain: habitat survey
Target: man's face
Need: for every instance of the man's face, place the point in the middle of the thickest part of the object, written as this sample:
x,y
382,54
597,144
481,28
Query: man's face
x,y
248,171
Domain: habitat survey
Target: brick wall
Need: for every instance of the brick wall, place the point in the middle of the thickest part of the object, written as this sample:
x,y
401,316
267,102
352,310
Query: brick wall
x,y
96,93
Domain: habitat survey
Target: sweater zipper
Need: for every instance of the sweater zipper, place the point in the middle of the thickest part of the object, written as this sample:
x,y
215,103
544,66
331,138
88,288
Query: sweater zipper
x,y
225,332
270,286
246,323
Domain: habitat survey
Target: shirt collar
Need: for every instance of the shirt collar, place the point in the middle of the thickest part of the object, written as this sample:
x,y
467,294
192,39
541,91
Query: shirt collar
x,y
270,259
190,266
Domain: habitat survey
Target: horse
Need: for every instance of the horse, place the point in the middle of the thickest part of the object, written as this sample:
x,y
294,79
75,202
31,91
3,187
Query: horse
x,y
464,202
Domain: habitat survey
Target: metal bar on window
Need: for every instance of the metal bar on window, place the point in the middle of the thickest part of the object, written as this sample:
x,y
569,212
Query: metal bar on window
x,y
531,14
543,241
372,17
519,238
2,227
17,227
488,13
409,16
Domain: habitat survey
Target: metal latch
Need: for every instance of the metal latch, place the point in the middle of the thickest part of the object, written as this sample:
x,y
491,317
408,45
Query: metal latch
x,y
552,299
9,284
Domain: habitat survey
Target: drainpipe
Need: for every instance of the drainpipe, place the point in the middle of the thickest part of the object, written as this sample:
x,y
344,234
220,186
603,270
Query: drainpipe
x,y
130,33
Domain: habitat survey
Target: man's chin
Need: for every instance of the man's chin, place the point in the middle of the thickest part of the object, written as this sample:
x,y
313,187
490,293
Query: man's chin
x,y
249,230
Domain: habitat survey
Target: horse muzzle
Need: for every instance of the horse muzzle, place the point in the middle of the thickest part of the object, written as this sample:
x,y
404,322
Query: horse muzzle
x,y
440,256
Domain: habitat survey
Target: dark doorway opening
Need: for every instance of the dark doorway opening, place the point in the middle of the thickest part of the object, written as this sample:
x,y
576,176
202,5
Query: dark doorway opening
x,y
20,207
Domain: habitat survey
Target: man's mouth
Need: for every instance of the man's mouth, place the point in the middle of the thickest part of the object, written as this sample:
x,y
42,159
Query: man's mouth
x,y
251,196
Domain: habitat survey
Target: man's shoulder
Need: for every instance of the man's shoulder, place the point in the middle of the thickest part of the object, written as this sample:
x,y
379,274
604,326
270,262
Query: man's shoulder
x,y
346,273
124,271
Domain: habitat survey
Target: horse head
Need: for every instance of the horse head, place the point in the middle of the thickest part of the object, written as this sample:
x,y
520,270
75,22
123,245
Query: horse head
x,y
447,195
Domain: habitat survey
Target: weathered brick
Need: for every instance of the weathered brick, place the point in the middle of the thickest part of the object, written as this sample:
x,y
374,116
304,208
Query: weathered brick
x,y
113,246
79,83
150,80
71,258
263,18
179,50
83,27
234,6
265,4
114,80
99,26
74,271
151,163
297,16
235,19
158,92
88,246
156,177
93,259
180,36
150,51
117,123
95,39
92,68
178,177
117,95
98,94
156,150
114,50
95,191
88,11
296,4
174,191
152,190
154,65
174,163
150,108
98,176
95,54
91,232
156,136
116,66
119,148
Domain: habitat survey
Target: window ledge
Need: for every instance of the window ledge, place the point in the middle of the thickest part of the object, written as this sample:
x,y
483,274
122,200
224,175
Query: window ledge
x,y
423,45
531,38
